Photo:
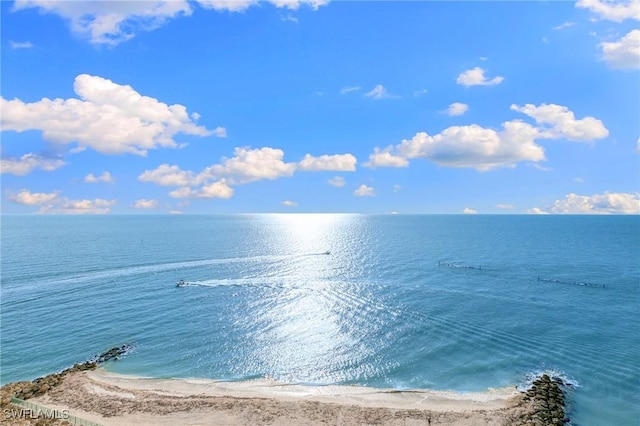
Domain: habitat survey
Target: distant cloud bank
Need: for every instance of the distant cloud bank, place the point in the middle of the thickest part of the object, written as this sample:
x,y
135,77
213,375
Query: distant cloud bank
x,y
52,203
606,203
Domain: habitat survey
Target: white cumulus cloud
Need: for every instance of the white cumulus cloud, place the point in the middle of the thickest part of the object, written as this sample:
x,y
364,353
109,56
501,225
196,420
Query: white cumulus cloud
x,y
468,210
616,11
53,203
364,191
28,198
289,203
104,177
28,163
474,146
218,189
384,158
337,163
66,206
248,165
624,53
476,77
144,203
457,108
108,117
166,175
536,210
606,203
560,122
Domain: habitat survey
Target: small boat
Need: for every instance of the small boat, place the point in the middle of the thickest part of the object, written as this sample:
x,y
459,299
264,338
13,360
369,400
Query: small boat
x,y
327,252
181,283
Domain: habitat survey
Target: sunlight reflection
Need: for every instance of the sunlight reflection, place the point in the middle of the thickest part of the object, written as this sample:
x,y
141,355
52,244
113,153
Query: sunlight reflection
x,y
309,233
305,331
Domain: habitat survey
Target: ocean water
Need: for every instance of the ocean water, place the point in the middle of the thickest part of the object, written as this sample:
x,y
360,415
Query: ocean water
x,y
396,303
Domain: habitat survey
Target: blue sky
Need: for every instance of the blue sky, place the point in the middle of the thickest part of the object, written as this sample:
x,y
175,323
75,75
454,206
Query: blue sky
x,y
316,106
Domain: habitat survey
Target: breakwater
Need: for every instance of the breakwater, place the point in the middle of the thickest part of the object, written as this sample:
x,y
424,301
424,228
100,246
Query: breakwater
x,y
455,265
41,385
580,283
539,278
545,403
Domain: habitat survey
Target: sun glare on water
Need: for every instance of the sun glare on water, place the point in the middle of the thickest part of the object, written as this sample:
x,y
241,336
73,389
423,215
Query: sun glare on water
x,y
305,332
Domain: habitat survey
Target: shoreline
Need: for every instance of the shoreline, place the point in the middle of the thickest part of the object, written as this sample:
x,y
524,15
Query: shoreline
x,y
364,396
115,399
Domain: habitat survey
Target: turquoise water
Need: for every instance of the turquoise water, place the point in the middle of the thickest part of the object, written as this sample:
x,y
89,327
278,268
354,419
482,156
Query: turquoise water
x,y
263,300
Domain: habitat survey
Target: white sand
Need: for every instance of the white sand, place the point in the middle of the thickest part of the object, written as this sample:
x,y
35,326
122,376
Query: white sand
x,y
114,399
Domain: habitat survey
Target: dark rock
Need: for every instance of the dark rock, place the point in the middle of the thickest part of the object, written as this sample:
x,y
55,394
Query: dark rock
x,y
545,402
112,354
42,385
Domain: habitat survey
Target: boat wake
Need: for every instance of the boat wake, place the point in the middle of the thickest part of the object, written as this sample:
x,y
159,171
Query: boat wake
x,y
112,274
324,253
232,282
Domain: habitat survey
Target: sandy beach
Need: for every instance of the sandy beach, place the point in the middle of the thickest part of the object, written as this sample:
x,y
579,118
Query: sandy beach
x,y
114,399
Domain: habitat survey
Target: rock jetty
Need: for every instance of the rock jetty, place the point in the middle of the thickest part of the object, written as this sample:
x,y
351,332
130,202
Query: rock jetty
x,y
40,386
112,354
545,403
